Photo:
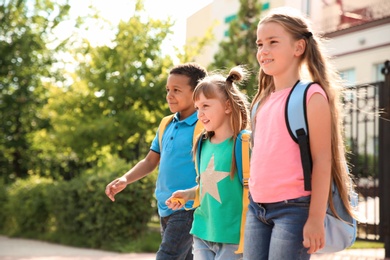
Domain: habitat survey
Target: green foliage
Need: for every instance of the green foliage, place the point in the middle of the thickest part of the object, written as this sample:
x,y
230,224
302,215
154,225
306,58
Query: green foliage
x,y
78,212
25,32
114,104
361,244
86,217
149,241
27,207
4,201
364,166
240,46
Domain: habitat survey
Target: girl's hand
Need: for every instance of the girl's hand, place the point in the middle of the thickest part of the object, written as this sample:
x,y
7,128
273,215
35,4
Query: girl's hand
x,y
314,234
177,200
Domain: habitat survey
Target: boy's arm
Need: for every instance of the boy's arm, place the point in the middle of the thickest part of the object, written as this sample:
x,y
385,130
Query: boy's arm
x,y
140,170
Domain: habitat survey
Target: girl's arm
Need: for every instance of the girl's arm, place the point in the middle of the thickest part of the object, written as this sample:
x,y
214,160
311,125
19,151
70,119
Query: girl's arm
x,y
319,121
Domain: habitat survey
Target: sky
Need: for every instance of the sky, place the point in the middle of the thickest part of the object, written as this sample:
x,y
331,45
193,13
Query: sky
x,y
115,10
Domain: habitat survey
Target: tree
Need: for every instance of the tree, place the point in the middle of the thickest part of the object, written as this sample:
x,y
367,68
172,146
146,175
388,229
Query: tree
x,y
240,46
116,100
25,32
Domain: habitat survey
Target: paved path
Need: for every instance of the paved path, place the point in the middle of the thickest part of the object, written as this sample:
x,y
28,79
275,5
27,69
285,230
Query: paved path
x,y
25,249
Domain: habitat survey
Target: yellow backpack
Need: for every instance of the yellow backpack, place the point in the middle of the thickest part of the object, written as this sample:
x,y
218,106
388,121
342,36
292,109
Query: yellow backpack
x,y
166,120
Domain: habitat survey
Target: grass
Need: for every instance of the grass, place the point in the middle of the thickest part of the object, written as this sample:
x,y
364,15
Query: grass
x,y
361,244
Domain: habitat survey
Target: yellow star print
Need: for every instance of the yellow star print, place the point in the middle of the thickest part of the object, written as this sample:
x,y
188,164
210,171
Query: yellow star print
x,y
209,180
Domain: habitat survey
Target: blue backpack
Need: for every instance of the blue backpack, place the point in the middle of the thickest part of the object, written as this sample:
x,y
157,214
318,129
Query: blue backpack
x,y
340,233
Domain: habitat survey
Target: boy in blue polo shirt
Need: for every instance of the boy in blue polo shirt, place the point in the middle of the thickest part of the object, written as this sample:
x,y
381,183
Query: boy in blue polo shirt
x,y
176,169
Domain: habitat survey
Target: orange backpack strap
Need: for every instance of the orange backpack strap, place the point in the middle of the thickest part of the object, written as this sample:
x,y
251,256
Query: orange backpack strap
x,y
161,128
198,142
245,188
166,120
198,129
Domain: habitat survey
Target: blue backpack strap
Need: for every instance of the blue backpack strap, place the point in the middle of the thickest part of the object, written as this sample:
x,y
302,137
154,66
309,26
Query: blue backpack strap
x,y
253,115
197,155
296,122
198,142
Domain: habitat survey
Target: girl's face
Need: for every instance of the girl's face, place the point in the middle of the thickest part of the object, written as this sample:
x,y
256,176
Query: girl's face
x,y
214,113
179,95
277,52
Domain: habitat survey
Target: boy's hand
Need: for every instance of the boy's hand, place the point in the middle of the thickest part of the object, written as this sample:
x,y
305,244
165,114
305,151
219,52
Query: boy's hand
x,y
115,187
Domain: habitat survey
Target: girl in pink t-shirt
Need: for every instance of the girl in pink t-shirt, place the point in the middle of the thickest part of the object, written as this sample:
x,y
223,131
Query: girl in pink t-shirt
x,y
284,221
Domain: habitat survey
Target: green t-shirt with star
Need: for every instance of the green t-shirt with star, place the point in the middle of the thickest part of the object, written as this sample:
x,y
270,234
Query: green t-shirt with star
x,y
218,218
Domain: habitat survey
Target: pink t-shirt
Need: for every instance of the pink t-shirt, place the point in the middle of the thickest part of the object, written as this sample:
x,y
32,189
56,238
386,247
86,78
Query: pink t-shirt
x,y
276,172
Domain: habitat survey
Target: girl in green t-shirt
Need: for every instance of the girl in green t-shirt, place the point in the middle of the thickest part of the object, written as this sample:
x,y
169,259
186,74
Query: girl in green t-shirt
x,y
223,111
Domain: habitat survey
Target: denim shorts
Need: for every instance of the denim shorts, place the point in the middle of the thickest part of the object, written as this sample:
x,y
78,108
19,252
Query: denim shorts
x,y
176,241
275,230
204,250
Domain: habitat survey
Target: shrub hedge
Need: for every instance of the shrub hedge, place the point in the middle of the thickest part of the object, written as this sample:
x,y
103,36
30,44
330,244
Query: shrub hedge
x,y
77,212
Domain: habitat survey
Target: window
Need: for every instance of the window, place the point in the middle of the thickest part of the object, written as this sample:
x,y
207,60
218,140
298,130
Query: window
x,y
230,18
265,6
349,77
378,72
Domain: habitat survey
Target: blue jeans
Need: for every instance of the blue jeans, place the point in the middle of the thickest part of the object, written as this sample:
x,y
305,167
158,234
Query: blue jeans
x,y
176,238
204,250
274,231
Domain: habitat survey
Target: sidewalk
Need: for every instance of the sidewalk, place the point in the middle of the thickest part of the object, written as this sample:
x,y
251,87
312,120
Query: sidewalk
x,y
353,254
25,249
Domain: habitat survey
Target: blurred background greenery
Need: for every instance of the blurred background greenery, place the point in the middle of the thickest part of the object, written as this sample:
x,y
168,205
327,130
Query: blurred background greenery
x,y
75,115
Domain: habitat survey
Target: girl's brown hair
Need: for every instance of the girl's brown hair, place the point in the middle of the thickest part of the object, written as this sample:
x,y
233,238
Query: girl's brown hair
x,y
320,70
217,86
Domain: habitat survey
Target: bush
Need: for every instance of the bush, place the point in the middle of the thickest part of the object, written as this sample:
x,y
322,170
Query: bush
x,y
86,217
27,207
3,199
78,212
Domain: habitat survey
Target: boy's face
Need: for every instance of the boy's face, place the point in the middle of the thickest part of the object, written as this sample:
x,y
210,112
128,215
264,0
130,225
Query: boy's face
x,y
179,95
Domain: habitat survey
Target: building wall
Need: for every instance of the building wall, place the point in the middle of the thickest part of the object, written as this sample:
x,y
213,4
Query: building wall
x,y
361,51
197,26
215,15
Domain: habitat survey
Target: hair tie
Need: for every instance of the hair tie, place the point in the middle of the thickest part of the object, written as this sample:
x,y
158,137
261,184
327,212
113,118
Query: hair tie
x,y
230,78
307,35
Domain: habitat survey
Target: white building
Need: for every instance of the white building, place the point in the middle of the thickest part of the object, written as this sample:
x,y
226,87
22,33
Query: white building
x,y
358,31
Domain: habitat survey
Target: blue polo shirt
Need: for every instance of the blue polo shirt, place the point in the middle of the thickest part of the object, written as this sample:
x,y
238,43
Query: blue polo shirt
x,y
176,170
